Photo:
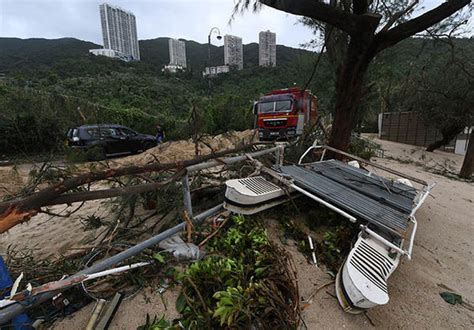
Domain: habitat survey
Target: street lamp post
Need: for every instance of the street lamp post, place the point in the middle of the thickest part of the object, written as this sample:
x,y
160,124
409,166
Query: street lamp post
x,y
219,37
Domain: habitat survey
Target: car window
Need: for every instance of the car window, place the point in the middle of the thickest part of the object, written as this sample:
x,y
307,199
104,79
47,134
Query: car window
x,y
72,132
107,132
93,132
127,131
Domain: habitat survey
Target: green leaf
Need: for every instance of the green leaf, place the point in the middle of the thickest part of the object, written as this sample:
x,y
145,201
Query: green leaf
x,y
159,257
180,303
451,298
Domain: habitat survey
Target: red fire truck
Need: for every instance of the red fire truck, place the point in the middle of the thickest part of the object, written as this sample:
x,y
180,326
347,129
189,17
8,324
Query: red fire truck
x,y
284,113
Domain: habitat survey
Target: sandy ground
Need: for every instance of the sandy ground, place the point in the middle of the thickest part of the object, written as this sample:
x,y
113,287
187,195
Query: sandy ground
x,y
10,180
131,313
442,253
185,149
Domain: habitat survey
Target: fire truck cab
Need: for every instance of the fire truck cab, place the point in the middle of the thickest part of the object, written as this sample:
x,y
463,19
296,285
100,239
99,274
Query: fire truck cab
x,y
284,113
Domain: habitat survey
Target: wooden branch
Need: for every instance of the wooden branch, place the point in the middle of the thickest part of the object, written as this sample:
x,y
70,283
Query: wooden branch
x,y
320,11
360,6
399,15
113,192
385,39
16,211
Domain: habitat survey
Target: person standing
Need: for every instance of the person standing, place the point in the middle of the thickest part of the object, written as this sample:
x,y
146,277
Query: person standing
x,y
160,134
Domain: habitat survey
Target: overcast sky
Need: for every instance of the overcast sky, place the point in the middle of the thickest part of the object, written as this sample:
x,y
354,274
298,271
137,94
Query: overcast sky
x,y
188,19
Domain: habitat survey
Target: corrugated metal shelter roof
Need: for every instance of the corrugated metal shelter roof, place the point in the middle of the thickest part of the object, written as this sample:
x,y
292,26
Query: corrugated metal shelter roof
x,y
374,199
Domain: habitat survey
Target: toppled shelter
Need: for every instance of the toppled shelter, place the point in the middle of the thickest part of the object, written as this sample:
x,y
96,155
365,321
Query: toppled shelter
x,y
385,209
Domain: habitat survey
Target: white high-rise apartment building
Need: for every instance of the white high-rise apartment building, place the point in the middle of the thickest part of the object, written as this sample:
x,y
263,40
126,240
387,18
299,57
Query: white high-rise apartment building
x,y
119,31
177,52
233,52
267,48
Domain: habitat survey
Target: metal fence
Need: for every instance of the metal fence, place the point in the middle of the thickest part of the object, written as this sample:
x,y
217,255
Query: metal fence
x,y
408,128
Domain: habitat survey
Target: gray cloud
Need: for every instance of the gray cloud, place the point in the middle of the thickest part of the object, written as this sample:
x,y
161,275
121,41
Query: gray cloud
x,y
162,18
188,19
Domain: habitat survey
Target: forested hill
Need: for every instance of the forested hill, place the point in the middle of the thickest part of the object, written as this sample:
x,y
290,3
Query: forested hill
x,y
155,51
29,55
47,86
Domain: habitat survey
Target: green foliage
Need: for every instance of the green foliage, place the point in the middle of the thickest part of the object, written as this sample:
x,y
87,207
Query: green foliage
x,y
244,282
157,324
444,95
332,234
336,246
364,148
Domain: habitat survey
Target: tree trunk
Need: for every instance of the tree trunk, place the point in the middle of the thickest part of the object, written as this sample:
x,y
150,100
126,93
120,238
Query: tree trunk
x,y
348,98
468,164
349,85
448,135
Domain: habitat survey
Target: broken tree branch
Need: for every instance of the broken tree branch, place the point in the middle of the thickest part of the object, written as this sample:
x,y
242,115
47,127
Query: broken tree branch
x,y
320,11
113,192
385,39
19,210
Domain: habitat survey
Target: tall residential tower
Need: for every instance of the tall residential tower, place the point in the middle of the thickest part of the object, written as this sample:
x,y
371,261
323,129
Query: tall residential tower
x,y
233,51
177,52
119,31
267,48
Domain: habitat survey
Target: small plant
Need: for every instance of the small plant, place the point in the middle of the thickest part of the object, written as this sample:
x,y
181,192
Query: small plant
x,y
336,245
245,282
92,222
364,148
157,324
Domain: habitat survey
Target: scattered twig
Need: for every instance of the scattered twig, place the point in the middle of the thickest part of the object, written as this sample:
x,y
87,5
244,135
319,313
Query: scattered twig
x,y
369,319
189,226
317,290
204,241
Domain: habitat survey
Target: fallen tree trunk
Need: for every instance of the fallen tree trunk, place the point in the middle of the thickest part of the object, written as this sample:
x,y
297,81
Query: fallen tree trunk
x,y
19,210
468,163
113,192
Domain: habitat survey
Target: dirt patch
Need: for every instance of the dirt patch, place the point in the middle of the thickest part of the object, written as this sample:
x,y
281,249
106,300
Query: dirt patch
x,y
11,181
438,161
131,313
185,149
49,236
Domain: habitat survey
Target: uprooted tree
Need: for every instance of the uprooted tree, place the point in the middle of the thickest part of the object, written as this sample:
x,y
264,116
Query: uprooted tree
x,y
21,209
364,29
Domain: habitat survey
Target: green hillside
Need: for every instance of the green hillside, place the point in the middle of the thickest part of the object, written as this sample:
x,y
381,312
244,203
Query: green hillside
x,y
50,85
67,56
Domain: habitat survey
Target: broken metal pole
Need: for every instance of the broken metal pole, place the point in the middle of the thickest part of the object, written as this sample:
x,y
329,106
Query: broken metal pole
x,y
105,321
322,201
9,312
279,155
187,196
230,160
